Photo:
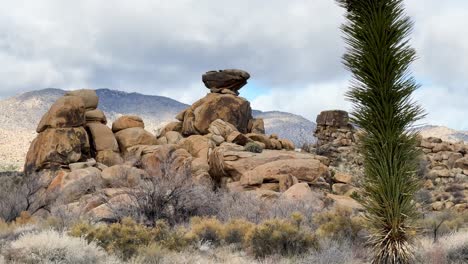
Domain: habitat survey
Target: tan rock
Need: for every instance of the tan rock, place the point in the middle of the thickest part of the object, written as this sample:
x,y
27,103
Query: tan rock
x,y
345,201
261,138
237,138
267,195
173,137
123,176
428,185
229,108
96,115
109,158
57,146
438,206
341,188
221,128
286,144
82,165
89,97
134,136
172,126
256,126
217,139
333,118
66,112
80,182
462,163
166,161
342,177
127,121
231,161
276,144
101,137
198,146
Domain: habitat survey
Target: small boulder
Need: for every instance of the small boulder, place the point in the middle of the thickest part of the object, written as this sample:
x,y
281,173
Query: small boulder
x,y
238,138
134,136
231,80
256,126
95,116
127,121
109,157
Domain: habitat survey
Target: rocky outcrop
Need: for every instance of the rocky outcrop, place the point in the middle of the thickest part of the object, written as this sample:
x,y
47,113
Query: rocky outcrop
x,y
230,163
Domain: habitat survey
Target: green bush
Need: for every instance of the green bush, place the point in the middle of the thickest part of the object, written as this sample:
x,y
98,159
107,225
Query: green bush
x,y
280,237
338,224
253,147
235,231
207,230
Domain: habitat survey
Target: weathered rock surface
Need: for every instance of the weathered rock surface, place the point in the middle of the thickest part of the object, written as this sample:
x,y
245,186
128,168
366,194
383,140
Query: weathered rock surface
x,y
89,97
255,169
123,176
101,137
125,122
134,136
225,81
95,116
55,147
229,108
67,111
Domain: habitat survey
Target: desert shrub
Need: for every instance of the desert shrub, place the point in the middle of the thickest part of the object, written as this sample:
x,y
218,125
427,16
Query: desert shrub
x,y
338,224
207,230
253,147
436,224
280,237
173,198
241,205
451,248
127,237
235,231
124,238
17,194
424,197
53,247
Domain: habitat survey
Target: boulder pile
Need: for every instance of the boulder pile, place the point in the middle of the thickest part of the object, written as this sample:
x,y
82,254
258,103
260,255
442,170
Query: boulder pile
x,y
89,166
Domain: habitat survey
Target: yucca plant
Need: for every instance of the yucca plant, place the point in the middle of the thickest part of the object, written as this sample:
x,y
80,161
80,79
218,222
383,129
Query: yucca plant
x,y
378,56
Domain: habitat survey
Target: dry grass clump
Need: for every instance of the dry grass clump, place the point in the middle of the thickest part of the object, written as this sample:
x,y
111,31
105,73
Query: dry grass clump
x,y
50,246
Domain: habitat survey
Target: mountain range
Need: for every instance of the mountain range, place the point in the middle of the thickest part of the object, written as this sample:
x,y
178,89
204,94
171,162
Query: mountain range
x,y
19,116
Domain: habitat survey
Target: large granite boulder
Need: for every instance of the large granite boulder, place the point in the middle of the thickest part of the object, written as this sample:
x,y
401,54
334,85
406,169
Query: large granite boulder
x,y
67,111
229,108
225,81
101,137
89,97
95,116
55,147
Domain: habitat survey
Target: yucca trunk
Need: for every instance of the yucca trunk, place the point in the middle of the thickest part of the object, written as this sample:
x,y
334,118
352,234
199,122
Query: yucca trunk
x,y
378,56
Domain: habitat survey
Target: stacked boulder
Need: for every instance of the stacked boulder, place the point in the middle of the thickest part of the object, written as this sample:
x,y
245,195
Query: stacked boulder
x,y
91,167
336,138
446,173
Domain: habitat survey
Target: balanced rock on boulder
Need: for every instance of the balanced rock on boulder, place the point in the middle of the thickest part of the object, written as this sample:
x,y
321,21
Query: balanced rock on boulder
x,y
225,81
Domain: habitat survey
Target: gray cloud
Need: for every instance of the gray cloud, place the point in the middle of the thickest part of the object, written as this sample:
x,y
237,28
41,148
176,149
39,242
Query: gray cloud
x,y
293,48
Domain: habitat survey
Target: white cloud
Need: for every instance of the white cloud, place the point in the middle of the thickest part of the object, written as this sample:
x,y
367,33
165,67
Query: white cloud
x,y
293,48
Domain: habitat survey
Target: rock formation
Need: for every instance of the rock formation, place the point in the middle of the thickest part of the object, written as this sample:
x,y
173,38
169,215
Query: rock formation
x,y
87,165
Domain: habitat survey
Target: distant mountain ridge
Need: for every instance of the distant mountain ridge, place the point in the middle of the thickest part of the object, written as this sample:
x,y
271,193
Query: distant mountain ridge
x,y
19,116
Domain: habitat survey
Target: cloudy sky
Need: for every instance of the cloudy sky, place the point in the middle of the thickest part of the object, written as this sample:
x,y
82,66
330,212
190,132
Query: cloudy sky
x,y
291,48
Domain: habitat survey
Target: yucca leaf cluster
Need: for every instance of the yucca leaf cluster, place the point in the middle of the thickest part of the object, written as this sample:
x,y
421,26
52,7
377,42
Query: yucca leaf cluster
x,y
379,56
